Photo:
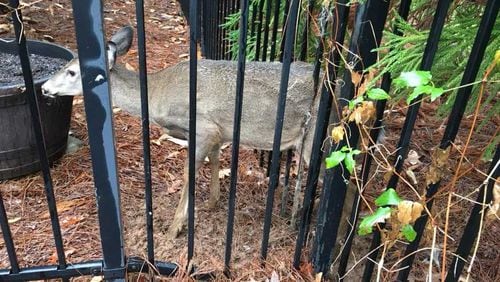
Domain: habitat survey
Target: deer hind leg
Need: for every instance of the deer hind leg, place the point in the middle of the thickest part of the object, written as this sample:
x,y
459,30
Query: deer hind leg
x,y
214,155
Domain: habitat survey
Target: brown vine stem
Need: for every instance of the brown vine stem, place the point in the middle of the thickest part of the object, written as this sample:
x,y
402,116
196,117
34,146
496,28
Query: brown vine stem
x,y
457,170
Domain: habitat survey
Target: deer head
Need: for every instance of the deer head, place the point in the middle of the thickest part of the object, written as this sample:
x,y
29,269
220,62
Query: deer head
x,y
68,81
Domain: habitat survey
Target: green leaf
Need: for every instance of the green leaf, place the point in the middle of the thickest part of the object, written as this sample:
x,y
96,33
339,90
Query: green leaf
x,y
380,215
345,149
353,103
377,94
349,162
411,97
389,198
334,159
413,78
356,152
408,232
436,93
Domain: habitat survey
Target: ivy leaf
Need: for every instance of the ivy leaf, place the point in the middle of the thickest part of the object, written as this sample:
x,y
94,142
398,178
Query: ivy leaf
x,y
345,149
389,198
356,152
408,232
414,95
419,90
334,159
380,215
377,94
413,78
436,93
349,162
353,103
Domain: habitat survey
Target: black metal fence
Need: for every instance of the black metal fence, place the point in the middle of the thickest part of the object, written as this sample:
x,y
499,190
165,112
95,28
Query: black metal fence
x,y
367,33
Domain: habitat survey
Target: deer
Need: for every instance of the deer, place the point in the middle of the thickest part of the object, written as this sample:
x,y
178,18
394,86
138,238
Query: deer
x,y
216,88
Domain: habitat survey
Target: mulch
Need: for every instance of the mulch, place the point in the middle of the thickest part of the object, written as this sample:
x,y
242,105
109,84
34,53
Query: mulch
x,y
167,44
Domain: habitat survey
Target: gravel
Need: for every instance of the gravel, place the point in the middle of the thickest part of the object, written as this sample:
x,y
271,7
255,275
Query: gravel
x,y
41,66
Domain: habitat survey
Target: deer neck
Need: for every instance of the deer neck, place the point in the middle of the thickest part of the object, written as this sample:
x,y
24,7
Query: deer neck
x,y
125,90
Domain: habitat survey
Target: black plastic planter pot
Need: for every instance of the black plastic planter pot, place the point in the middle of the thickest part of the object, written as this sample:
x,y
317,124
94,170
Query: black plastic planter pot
x,y
18,153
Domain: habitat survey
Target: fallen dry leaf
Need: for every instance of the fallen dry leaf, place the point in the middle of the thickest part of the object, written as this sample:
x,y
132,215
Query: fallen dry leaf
x,y
413,157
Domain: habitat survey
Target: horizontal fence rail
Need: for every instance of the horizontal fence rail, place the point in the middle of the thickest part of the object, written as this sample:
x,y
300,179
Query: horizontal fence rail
x,y
269,31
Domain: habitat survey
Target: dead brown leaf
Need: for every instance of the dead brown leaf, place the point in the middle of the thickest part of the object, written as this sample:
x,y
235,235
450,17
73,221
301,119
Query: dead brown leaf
x,y
409,211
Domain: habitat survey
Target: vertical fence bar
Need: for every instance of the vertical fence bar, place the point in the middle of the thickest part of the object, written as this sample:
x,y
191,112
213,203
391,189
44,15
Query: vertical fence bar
x,y
32,98
226,5
213,34
275,165
366,36
240,79
285,20
259,29
274,34
411,116
266,30
471,230
254,16
95,81
454,120
225,43
7,237
220,17
286,184
204,28
148,194
403,12
305,31
193,63
208,32
323,117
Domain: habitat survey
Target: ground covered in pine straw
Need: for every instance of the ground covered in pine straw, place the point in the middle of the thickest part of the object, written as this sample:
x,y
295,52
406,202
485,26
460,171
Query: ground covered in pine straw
x,y
74,189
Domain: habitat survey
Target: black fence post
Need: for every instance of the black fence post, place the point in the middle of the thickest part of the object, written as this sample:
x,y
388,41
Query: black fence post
x,y
193,64
141,44
403,11
275,164
95,81
370,22
323,117
240,79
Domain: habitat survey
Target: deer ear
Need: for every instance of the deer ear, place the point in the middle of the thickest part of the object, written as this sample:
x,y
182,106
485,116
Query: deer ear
x,y
111,50
123,40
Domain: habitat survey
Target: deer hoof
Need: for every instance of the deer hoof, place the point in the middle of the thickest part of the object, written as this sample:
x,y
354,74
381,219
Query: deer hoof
x,y
212,203
174,230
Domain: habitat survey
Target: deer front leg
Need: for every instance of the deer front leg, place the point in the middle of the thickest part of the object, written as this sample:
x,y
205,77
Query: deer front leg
x,y
205,141
180,216
214,180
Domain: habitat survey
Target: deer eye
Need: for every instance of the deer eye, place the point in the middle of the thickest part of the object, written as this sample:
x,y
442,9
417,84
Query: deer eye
x,y
71,73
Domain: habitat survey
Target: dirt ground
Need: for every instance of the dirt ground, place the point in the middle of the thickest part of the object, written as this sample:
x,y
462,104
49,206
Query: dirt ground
x,y
167,43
